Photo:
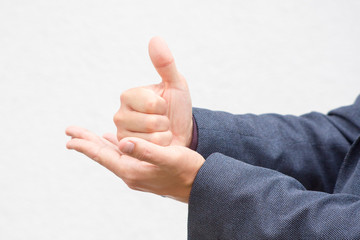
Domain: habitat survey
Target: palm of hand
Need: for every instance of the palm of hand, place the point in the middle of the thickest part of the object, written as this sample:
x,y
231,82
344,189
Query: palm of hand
x,y
166,171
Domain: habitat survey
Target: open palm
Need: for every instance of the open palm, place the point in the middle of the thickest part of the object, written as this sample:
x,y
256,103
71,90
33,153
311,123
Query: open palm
x,y
168,171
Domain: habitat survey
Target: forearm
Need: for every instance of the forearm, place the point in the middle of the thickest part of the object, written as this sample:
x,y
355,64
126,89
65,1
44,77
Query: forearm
x,y
309,148
234,200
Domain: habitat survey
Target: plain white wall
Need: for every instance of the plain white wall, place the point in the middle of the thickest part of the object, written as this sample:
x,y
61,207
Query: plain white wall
x,y
66,62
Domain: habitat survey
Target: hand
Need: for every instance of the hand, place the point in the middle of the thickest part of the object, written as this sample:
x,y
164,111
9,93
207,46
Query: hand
x,y
159,113
144,166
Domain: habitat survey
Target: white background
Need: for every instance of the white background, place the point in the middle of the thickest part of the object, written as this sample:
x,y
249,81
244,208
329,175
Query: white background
x,y
66,62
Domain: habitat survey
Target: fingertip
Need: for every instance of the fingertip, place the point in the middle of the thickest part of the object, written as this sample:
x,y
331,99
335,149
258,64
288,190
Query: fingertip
x,y
70,130
127,147
129,143
159,52
155,40
127,139
141,149
69,145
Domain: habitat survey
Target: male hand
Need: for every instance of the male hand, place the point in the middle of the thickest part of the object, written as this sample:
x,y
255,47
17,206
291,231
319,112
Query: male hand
x,y
159,113
167,171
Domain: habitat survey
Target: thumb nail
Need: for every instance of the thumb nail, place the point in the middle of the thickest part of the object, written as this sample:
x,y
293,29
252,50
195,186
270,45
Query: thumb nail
x,y
128,147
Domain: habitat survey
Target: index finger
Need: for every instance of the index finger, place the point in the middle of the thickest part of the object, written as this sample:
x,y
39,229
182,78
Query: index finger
x,y
144,100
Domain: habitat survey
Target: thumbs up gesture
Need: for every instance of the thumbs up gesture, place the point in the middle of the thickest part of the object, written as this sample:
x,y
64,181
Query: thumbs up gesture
x,y
149,120
159,113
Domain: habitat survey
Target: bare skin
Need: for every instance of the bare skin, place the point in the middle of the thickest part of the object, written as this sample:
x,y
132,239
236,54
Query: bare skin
x,y
154,129
168,171
160,113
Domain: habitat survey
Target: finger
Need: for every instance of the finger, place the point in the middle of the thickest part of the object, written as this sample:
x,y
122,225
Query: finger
x,y
113,145
140,122
111,138
145,151
163,61
159,138
144,100
79,132
106,156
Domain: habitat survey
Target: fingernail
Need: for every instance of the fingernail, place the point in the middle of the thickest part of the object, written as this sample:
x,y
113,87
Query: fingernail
x,y
128,147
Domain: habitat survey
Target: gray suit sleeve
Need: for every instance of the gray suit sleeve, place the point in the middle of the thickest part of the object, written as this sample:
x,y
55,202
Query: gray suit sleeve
x,y
231,199
309,148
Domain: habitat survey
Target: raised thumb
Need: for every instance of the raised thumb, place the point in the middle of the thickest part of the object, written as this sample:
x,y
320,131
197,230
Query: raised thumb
x,y
163,61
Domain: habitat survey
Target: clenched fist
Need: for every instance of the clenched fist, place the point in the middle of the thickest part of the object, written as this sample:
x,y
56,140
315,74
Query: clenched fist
x,y
159,113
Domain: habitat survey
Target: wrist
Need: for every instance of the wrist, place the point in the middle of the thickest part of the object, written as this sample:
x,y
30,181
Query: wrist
x,y
193,139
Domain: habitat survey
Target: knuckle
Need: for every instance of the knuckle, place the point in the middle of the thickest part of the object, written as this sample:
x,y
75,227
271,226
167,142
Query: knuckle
x,y
155,138
97,156
116,118
161,138
145,154
151,123
129,95
124,96
119,118
166,122
150,105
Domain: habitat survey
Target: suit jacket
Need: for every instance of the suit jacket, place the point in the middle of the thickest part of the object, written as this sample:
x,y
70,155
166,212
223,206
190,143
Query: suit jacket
x,y
277,177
